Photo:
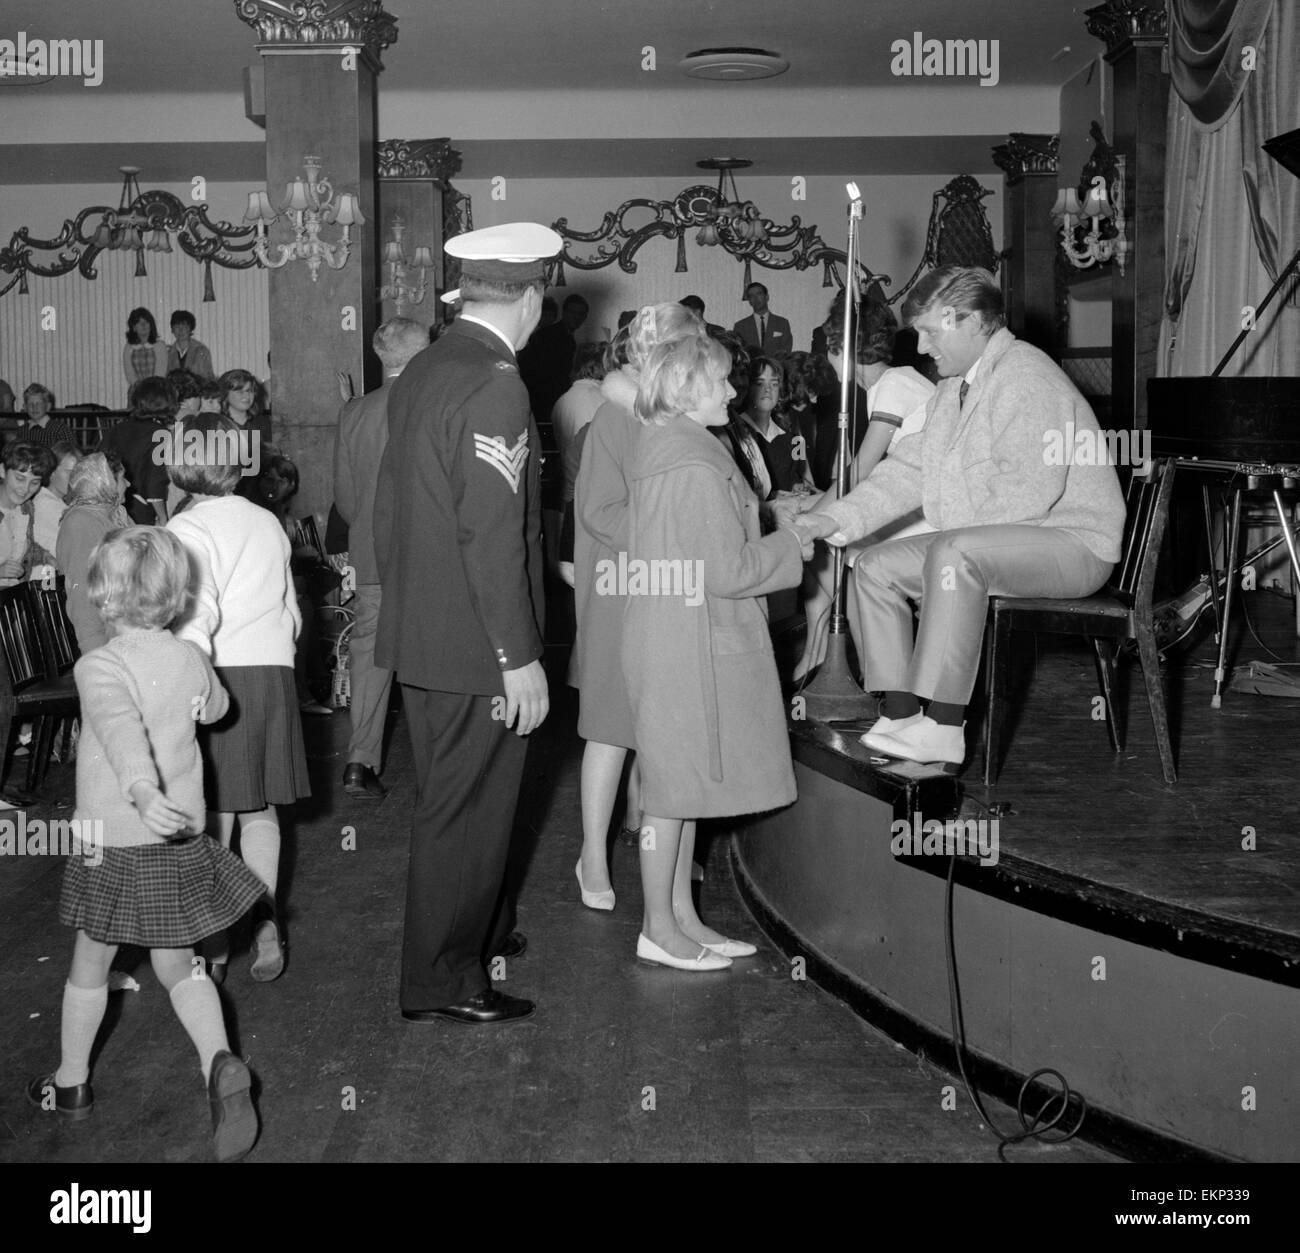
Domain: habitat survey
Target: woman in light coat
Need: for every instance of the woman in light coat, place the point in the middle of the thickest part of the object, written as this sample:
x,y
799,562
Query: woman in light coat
x,y
708,716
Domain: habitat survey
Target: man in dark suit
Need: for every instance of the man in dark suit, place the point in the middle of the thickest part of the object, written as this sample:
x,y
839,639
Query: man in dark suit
x,y
547,361
763,331
458,533
358,450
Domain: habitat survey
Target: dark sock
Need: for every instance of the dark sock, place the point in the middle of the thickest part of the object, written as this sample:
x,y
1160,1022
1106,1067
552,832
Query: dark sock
x,y
946,715
901,705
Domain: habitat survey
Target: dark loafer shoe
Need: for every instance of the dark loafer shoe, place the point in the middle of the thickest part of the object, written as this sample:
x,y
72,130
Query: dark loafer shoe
x,y
74,1103
230,1097
487,1007
514,945
362,782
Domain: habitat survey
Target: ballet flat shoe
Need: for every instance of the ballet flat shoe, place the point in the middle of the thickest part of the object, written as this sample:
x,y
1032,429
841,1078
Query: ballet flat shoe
x,y
732,948
75,1102
230,1100
268,959
649,951
594,900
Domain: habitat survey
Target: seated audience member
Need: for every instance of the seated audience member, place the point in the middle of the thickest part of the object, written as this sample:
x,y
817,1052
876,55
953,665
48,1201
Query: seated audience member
x,y
40,427
277,485
187,353
136,440
95,495
209,396
1005,522
145,355
24,466
242,401
187,387
7,397
577,407
50,502
896,400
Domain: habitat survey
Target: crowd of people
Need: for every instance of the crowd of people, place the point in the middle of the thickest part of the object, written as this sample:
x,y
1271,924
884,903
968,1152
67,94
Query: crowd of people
x,y
703,455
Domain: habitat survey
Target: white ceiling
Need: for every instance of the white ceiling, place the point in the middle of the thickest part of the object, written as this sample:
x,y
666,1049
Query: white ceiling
x,y
201,45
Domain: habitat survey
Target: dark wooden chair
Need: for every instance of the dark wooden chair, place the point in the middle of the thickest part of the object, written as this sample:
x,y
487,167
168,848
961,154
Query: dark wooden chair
x,y
27,690
1120,612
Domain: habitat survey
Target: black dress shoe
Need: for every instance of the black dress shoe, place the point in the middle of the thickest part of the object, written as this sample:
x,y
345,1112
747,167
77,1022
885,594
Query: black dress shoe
x,y
230,1098
74,1102
514,945
362,782
490,1006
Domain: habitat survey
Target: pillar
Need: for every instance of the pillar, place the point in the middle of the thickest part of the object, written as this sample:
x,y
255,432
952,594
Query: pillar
x,y
1029,238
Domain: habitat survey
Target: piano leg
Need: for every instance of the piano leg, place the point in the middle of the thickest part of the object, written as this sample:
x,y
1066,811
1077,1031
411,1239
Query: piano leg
x,y
1230,571
1285,523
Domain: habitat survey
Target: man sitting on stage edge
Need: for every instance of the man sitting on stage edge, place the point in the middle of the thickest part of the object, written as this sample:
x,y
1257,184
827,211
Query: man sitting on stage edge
x,y
1007,521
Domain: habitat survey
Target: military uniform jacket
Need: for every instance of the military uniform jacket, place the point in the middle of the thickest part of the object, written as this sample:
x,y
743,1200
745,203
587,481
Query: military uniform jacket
x,y
458,519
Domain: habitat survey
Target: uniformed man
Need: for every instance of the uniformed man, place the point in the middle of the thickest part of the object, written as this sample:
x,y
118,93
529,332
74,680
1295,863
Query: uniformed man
x,y
458,535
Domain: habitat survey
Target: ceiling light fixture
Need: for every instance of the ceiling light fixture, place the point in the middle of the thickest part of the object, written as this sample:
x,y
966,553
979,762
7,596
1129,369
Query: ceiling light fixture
x,y
732,64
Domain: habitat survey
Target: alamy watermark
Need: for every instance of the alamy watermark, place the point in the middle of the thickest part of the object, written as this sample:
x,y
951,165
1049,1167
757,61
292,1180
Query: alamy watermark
x,y
945,58
955,837
178,447
639,576
60,837
1091,446
53,58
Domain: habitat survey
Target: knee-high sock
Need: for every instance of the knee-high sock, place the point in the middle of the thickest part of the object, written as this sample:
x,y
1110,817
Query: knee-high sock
x,y
259,845
198,1007
83,1011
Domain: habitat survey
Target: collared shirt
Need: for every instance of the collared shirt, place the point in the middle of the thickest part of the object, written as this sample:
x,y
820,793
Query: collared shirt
x,y
469,317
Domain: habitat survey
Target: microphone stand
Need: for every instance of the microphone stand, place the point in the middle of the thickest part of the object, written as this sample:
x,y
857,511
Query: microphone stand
x,y
834,695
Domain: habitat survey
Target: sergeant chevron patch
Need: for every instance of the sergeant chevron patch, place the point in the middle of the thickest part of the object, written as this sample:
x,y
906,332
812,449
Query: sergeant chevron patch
x,y
510,461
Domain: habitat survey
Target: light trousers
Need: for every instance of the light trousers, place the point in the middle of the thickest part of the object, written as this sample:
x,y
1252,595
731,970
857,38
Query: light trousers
x,y
370,684
953,574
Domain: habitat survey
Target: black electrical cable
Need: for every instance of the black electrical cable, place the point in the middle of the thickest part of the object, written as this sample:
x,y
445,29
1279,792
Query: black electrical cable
x,y
1032,1128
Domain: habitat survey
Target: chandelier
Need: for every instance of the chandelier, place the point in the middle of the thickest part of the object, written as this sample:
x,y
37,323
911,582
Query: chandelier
x,y
731,221
144,221
309,205
397,289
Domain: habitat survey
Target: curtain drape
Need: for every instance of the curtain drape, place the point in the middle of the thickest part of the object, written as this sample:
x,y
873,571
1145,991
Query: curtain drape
x,y
1206,42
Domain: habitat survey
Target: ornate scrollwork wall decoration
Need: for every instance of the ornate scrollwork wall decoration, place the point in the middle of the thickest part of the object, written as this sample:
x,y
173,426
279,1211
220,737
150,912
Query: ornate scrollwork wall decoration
x,y
360,22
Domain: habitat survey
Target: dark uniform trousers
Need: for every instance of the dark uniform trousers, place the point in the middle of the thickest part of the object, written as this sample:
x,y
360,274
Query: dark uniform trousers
x,y
458,912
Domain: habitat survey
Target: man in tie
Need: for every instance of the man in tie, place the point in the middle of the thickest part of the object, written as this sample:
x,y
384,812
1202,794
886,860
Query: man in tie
x,y
458,536
1009,520
763,331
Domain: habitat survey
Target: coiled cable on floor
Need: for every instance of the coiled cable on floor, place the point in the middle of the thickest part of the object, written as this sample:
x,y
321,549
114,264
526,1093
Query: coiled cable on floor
x,y
1032,1127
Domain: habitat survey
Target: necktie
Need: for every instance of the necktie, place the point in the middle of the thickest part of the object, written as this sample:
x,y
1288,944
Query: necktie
x,y
961,395
761,330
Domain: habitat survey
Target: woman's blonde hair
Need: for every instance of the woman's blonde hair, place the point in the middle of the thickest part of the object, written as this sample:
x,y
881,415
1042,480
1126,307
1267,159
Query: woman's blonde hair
x,y
140,577
93,481
676,373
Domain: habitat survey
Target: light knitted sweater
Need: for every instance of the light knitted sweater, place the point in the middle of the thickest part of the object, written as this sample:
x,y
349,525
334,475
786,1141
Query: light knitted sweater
x,y
987,463
244,611
142,694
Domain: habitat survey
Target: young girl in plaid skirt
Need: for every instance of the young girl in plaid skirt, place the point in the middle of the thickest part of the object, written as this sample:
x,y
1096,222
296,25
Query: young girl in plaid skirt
x,y
146,873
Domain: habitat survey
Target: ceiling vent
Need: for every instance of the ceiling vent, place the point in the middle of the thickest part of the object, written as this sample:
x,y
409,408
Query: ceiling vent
x,y
733,64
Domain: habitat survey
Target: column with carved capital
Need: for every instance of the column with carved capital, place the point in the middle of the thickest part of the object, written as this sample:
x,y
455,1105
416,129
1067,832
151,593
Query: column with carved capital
x,y
1029,238
1136,33
320,62
415,190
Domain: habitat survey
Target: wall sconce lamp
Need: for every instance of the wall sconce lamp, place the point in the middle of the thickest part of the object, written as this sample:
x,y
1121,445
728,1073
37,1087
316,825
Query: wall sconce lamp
x,y
397,289
310,205
1106,239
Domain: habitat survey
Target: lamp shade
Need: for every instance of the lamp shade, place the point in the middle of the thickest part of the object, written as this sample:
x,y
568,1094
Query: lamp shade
x,y
424,257
1072,205
393,253
1094,206
259,208
348,212
103,236
1058,205
296,198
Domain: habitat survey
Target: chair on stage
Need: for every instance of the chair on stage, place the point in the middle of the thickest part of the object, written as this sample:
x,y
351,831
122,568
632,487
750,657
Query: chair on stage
x,y
35,685
1120,612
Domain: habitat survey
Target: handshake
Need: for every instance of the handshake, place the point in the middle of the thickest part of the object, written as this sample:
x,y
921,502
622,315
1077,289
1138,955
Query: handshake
x,y
808,527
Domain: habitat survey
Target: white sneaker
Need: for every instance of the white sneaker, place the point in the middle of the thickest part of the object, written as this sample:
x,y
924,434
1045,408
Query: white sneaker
x,y
887,726
924,741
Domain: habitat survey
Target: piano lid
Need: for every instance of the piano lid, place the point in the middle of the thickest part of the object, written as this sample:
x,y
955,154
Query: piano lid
x,y
1248,420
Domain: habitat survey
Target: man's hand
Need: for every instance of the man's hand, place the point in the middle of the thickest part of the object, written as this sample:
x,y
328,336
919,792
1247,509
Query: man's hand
x,y
157,812
11,569
814,526
526,695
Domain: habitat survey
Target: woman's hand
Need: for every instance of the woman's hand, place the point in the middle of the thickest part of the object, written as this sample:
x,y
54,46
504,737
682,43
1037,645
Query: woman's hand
x,y
157,812
818,526
12,569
